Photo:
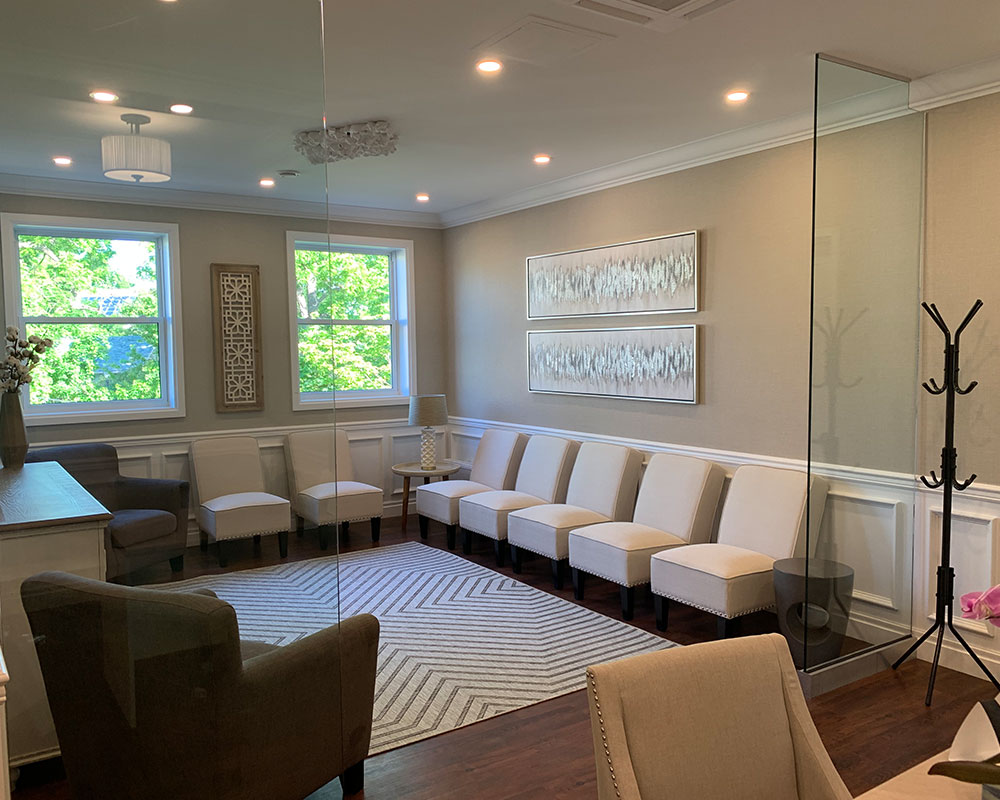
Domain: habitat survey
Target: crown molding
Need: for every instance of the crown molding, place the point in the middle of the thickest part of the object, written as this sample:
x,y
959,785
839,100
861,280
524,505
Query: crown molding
x,y
955,85
211,201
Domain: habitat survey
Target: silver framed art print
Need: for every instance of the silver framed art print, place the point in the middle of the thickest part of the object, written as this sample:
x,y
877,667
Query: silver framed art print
x,y
653,363
651,276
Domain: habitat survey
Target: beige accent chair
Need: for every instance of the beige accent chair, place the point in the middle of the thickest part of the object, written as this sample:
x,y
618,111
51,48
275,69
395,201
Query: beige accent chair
x,y
601,489
321,483
154,696
763,520
678,498
542,478
494,467
714,720
228,476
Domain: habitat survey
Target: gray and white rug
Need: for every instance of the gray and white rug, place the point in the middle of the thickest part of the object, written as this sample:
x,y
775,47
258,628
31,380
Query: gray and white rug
x,y
459,642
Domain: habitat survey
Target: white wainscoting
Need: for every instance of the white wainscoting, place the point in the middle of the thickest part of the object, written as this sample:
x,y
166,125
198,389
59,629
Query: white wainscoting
x,y
885,525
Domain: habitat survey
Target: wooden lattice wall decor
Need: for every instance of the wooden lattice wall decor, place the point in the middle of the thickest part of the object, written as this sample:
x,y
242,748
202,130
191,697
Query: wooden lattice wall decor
x,y
239,381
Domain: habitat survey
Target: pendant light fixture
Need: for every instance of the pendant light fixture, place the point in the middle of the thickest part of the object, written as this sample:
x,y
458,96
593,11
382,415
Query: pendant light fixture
x,y
133,158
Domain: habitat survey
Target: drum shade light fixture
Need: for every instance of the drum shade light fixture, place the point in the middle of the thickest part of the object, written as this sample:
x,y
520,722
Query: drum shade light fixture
x,y
134,158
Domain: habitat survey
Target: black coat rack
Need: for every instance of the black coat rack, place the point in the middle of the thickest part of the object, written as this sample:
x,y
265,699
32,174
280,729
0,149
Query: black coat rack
x,y
951,484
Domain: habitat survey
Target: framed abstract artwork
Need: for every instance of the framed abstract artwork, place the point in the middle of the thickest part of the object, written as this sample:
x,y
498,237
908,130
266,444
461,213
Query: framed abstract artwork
x,y
239,380
654,363
651,276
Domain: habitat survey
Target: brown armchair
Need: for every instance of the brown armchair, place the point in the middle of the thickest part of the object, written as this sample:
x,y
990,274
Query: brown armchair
x,y
154,696
150,516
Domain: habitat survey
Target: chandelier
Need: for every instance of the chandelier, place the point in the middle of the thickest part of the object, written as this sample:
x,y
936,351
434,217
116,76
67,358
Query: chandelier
x,y
375,138
133,158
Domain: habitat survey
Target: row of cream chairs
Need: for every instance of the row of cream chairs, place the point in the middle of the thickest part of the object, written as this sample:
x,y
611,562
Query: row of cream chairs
x,y
234,504
577,504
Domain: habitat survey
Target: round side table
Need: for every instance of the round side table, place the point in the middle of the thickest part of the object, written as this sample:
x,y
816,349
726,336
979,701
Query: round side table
x,y
412,469
821,626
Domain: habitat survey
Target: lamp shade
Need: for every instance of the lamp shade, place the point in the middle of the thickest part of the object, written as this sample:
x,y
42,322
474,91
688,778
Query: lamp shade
x,y
135,159
428,409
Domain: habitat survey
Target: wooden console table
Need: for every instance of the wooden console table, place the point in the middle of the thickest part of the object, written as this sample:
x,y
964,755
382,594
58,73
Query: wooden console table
x,y
47,522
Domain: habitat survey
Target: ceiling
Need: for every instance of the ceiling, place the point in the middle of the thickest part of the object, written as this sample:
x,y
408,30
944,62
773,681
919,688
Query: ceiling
x,y
591,90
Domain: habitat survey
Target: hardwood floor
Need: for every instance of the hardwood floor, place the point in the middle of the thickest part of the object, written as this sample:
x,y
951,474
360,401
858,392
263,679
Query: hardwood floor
x,y
873,729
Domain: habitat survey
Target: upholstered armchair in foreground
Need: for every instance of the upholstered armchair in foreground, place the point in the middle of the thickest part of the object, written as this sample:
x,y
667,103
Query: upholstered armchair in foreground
x,y
714,720
154,696
150,516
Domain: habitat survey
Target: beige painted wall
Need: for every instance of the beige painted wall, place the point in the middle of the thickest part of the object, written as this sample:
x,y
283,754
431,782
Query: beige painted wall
x,y
208,236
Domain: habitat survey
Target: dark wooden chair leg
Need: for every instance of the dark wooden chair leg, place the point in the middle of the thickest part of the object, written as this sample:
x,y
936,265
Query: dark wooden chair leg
x,y
223,554
283,544
450,533
423,521
728,628
256,543
500,551
579,578
467,541
324,537
662,606
300,526
376,528
515,558
557,573
345,531
177,564
628,602
352,780
203,541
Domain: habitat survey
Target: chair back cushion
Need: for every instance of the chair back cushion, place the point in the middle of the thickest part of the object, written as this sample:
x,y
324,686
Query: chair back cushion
x,y
604,479
546,466
765,510
93,466
315,457
226,466
497,458
680,495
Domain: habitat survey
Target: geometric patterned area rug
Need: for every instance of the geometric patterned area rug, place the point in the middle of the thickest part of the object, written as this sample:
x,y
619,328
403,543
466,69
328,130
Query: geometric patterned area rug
x,y
459,642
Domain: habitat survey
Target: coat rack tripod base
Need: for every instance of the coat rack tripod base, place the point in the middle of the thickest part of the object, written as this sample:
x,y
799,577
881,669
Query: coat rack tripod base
x,y
943,613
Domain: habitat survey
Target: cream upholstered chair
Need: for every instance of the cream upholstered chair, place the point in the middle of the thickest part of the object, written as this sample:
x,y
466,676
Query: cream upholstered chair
x,y
494,467
541,478
763,520
678,498
714,720
601,489
321,483
233,504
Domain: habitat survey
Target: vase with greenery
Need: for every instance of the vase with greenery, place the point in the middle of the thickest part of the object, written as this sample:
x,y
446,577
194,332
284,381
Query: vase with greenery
x,y
21,357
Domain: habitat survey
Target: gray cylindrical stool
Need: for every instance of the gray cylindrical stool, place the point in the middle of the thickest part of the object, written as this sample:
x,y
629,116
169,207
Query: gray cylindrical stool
x,y
815,634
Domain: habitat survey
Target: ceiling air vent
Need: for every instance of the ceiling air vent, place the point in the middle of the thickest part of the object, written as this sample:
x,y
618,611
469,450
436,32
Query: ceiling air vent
x,y
658,15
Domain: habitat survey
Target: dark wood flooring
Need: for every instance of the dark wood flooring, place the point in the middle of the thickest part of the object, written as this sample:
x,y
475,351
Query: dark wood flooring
x,y
874,728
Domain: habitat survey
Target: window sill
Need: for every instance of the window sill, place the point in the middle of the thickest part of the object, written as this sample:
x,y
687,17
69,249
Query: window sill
x,y
348,402
37,419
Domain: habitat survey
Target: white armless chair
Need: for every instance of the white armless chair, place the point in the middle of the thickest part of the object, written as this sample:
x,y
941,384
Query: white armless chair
x,y
678,498
494,467
763,520
708,721
321,483
233,504
542,478
601,489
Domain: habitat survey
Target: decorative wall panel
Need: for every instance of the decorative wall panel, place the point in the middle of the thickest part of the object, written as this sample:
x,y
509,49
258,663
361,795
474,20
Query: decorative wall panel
x,y
239,383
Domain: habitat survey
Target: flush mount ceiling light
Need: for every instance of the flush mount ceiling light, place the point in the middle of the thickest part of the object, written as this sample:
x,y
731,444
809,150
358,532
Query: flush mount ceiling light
x,y
62,161
375,138
180,108
423,197
489,66
542,158
267,183
134,158
737,96
103,96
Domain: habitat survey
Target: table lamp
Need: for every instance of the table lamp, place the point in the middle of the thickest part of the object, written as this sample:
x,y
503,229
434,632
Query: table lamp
x,y
428,410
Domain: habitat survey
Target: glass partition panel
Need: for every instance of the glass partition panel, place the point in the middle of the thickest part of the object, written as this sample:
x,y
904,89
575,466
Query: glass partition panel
x,y
854,591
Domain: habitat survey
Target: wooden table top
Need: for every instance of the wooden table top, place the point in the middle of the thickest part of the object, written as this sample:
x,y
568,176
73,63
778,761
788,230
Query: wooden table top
x,y
42,494
412,469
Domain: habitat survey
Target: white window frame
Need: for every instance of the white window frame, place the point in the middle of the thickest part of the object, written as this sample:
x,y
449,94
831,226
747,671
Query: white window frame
x,y
171,400
402,327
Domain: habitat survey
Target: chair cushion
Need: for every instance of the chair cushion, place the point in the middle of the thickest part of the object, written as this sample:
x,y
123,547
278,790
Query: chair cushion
x,y
236,516
545,529
339,501
725,580
440,500
618,551
486,512
251,649
132,526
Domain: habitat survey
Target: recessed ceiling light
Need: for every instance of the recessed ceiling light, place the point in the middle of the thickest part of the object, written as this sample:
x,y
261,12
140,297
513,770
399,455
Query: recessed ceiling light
x,y
267,183
737,96
180,108
489,65
103,96
62,161
542,158
423,197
